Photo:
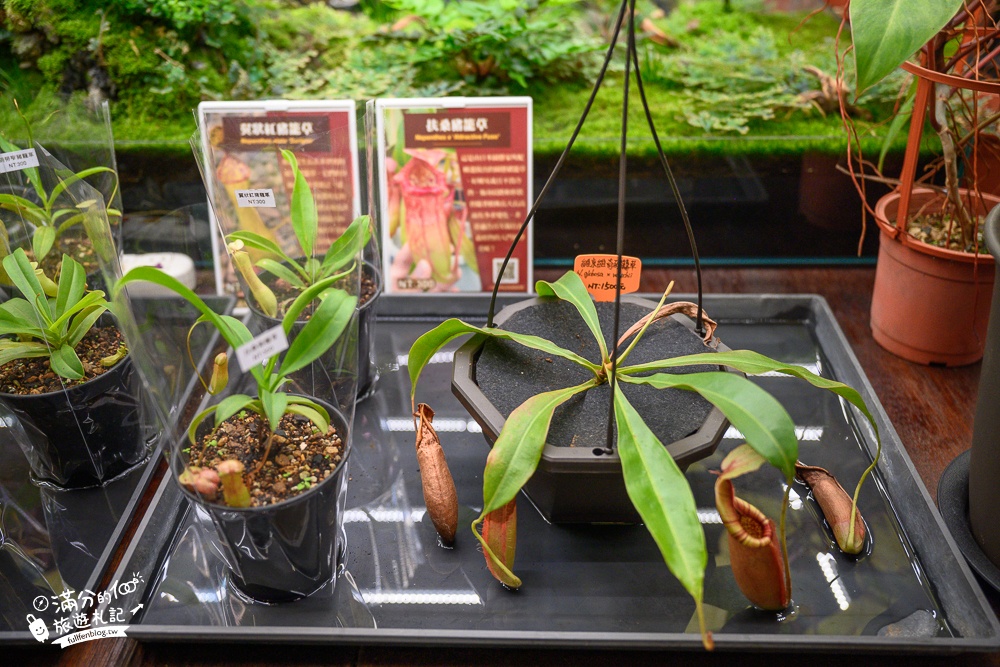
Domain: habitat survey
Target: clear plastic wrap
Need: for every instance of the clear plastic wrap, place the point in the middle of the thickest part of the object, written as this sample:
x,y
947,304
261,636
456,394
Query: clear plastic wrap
x,y
66,371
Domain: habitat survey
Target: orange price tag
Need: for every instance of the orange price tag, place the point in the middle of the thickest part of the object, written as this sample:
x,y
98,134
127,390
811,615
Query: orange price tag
x,y
600,272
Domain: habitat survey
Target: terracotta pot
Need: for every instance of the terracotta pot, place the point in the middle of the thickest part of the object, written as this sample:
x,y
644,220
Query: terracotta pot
x,y
929,305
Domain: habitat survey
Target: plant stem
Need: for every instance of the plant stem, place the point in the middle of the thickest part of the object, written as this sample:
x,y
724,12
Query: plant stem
x,y
951,166
784,538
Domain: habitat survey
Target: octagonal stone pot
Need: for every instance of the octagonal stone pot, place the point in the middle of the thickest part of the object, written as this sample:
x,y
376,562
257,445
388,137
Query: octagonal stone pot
x,y
577,481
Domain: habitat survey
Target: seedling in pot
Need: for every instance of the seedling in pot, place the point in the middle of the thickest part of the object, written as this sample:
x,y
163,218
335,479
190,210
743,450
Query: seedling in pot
x,y
50,217
657,487
300,274
52,319
332,314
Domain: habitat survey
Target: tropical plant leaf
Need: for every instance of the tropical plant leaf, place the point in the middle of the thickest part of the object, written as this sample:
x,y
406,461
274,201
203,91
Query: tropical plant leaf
x,y
72,284
65,362
274,404
428,344
230,405
661,494
22,274
754,363
887,32
570,288
304,216
348,245
305,298
42,241
759,416
15,349
518,448
72,178
82,322
311,413
258,242
281,271
327,323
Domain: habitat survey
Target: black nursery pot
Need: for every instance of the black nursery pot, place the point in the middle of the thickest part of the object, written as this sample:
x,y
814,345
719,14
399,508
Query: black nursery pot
x,y
92,432
577,481
288,550
314,380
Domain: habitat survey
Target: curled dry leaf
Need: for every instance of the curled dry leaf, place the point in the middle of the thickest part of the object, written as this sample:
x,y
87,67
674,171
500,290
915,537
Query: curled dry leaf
x,y
439,487
668,309
836,505
657,35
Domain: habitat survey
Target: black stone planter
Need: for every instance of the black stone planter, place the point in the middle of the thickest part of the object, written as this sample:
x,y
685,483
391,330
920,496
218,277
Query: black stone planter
x,y
86,434
315,379
576,480
288,550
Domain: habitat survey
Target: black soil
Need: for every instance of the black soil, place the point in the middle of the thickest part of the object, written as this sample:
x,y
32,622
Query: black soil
x,y
509,373
34,376
300,456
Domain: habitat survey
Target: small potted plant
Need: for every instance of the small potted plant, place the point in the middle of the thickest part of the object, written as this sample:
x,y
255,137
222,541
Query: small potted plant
x,y
934,279
284,278
654,482
51,222
65,368
269,466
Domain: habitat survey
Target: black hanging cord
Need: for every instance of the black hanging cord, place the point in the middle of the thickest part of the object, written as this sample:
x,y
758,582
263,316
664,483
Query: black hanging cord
x,y
620,240
673,184
559,162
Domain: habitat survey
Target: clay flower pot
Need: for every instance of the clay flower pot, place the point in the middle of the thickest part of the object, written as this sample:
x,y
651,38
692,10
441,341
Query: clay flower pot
x,y
929,305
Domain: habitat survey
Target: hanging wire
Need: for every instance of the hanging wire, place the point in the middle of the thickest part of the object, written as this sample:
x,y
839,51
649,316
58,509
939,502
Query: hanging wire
x,y
559,162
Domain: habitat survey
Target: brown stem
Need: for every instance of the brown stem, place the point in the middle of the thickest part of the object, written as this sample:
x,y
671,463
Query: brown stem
x,y
951,164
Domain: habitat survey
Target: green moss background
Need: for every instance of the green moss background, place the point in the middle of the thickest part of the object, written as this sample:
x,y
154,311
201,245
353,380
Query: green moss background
x,y
740,82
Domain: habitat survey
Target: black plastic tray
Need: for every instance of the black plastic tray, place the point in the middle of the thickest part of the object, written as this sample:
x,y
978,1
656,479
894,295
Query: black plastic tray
x,y
53,538
599,585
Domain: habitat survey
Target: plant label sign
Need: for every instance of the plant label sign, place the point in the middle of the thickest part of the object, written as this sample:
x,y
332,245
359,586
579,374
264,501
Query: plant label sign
x,y
454,179
18,160
262,198
250,183
600,274
263,346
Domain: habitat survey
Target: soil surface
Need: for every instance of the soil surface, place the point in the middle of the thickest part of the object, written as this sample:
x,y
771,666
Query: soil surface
x,y
34,376
77,247
509,373
299,459
943,231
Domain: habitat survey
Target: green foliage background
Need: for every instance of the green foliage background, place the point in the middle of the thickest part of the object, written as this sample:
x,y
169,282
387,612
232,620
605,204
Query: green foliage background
x,y
734,83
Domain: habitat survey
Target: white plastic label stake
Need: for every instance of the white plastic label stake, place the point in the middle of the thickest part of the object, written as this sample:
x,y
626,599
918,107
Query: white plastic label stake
x,y
260,198
18,160
263,346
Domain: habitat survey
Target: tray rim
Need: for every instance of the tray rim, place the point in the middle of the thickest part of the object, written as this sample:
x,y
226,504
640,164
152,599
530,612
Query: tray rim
x,y
742,308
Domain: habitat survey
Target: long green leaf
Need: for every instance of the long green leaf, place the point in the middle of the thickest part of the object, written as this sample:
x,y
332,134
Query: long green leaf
x,y
518,448
82,322
257,242
305,219
754,363
230,405
65,362
428,344
23,276
15,349
281,271
887,32
89,300
42,241
348,245
759,416
233,335
72,284
326,325
274,404
69,180
311,413
570,288
305,298
661,494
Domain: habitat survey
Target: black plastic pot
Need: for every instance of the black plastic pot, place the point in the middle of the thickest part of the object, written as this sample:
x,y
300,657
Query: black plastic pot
x,y
86,434
315,380
577,481
288,550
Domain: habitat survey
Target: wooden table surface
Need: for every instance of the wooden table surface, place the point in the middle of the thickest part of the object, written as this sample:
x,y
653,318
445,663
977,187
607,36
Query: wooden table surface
x,y
931,408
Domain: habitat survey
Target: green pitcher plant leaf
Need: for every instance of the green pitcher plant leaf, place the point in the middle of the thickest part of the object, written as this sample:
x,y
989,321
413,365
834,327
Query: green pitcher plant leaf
x,y
328,322
515,454
304,215
570,288
431,342
887,32
66,363
660,493
755,413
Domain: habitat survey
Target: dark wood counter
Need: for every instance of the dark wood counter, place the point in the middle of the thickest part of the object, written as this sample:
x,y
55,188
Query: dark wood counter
x,y
931,408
